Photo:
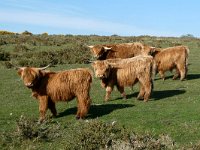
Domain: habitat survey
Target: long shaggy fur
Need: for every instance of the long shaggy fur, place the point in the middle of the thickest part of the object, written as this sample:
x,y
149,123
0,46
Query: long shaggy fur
x,y
172,58
124,50
126,72
50,87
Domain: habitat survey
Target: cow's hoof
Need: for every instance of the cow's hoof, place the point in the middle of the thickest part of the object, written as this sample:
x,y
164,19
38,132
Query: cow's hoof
x,y
140,98
124,98
77,117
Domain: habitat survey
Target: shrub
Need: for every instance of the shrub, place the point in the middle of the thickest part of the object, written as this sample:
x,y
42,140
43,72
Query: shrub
x,y
95,134
7,64
6,33
28,132
4,56
31,129
26,33
21,48
83,134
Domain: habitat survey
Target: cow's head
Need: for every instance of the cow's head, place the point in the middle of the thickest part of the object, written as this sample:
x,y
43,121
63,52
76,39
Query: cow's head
x,y
30,75
155,51
98,50
101,69
148,50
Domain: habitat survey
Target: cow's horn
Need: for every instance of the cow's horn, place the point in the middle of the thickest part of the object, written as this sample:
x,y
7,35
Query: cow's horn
x,y
107,48
43,68
16,67
91,46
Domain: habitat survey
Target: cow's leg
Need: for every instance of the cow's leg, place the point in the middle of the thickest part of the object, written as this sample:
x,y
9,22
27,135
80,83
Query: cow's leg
x,y
43,105
141,93
108,92
103,85
146,87
84,102
78,109
121,90
176,75
162,75
186,70
52,107
182,69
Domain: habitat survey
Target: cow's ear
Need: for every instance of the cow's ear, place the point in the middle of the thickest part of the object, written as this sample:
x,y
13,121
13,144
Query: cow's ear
x,y
152,50
19,71
107,48
41,73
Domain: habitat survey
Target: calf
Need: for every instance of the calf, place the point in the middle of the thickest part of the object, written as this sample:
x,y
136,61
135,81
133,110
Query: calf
x,y
172,58
50,87
126,72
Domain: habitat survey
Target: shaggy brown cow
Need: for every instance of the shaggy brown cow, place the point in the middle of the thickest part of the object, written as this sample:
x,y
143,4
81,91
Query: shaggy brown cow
x,y
50,87
126,72
172,58
124,50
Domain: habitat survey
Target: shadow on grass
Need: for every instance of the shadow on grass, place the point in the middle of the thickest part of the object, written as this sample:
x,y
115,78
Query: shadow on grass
x,y
157,95
104,109
166,78
193,76
96,110
189,77
128,96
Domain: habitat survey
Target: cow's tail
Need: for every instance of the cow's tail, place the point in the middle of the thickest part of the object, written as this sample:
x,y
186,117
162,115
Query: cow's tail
x,y
186,59
153,72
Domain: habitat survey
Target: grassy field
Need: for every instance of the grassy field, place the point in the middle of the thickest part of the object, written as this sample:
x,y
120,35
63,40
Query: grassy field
x,y
174,107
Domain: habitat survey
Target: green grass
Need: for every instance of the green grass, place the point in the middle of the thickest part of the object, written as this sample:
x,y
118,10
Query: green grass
x,y
174,107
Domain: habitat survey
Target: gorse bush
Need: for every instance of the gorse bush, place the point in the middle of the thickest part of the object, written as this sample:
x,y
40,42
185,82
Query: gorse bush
x,y
82,135
92,134
29,131
6,33
21,48
95,134
4,56
42,58
40,50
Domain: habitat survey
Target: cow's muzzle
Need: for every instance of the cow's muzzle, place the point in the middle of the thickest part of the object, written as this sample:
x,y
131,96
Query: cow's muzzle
x,y
101,76
29,85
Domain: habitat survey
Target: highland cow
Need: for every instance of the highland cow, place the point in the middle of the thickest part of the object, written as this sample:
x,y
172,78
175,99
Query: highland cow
x,y
126,72
124,50
172,58
51,87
